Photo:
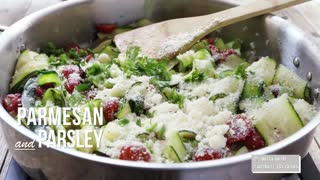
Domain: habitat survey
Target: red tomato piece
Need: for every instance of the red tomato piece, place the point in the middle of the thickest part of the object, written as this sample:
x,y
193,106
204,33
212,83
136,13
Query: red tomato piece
x,y
134,153
214,50
228,52
12,102
239,129
91,94
69,70
106,28
110,108
39,91
70,85
88,57
254,140
47,86
210,154
210,40
76,47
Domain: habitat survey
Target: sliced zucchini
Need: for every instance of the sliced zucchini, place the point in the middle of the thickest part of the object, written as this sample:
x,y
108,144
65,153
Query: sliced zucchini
x,y
172,154
305,110
226,73
187,135
115,71
235,44
217,96
141,23
28,96
25,57
82,109
111,51
124,111
230,102
277,90
286,77
285,90
104,58
234,105
267,93
58,128
113,33
185,60
117,90
135,84
108,84
277,119
200,45
99,153
171,64
173,96
76,99
251,104
308,94
227,85
137,89
176,150
219,43
203,54
102,45
234,67
111,132
94,105
240,71
144,22
204,66
54,97
18,87
121,30
242,150
264,70
232,86
40,62
46,77
83,135
143,136
233,61
252,89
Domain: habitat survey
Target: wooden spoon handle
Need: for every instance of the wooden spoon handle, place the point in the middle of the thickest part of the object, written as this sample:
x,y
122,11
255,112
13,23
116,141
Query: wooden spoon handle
x,y
169,38
243,12
212,22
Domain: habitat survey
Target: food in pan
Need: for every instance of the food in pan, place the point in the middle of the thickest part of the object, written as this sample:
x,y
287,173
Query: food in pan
x,y
207,103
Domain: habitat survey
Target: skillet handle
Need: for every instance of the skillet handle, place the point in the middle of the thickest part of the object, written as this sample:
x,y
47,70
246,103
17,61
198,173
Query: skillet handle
x,y
3,28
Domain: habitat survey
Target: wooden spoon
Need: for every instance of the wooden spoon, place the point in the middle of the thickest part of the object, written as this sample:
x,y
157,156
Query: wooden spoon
x,y
171,37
